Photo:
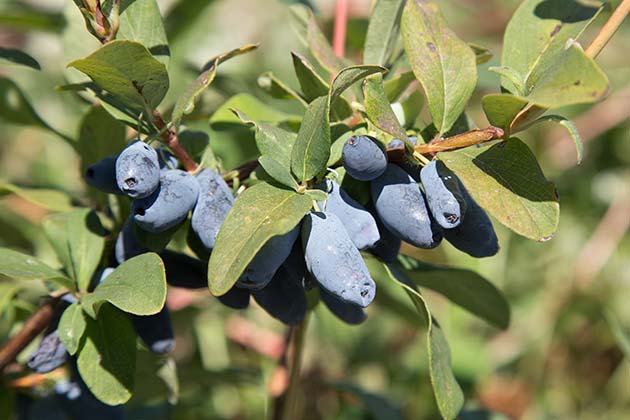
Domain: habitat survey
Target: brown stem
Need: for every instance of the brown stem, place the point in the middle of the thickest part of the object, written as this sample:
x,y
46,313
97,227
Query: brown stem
x,y
33,326
169,137
339,31
458,141
609,29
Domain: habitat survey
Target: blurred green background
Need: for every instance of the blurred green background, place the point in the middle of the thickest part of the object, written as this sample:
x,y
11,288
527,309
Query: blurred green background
x,y
566,353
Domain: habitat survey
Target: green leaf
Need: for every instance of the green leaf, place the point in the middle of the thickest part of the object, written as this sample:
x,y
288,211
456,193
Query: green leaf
x,y
253,107
54,227
448,394
349,76
505,179
100,135
79,239
313,86
512,75
311,36
279,89
259,213
271,140
124,113
20,266
571,128
186,103
444,65
537,34
71,328
311,83
138,286
140,21
278,171
395,86
107,356
129,72
13,56
52,200
312,146
378,109
316,195
16,109
86,242
383,31
502,108
621,334
410,109
464,288
482,54
571,78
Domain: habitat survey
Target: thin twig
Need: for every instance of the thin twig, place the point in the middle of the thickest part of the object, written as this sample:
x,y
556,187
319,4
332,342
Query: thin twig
x,y
288,409
339,32
33,326
608,30
169,137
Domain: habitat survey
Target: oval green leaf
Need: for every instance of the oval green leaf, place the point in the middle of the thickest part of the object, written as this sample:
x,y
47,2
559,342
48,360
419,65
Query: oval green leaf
x,y
138,286
444,65
312,147
20,266
383,31
71,327
259,213
129,72
107,356
505,179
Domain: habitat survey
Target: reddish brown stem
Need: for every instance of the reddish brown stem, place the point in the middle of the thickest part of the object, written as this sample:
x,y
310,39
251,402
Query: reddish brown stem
x,y
469,138
339,32
169,137
33,326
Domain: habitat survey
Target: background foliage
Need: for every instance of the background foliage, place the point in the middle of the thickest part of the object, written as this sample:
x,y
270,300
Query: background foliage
x,y
565,354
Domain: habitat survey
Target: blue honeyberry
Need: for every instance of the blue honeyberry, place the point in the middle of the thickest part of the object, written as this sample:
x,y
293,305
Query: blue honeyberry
x,y
102,175
169,204
445,200
214,202
401,207
156,331
388,247
400,143
283,298
364,158
127,245
184,271
166,159
334,261
49,354
235,298
475,235
264,265
359,223
138,170
345,311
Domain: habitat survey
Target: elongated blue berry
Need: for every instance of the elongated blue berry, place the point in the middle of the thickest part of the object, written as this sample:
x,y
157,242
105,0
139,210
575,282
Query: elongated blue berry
x,y
214,202
475,235
359,223
445,200
155,331
364,158
102,175
345,311
138,170
283,298
169,204
401,207
261,269
334,261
